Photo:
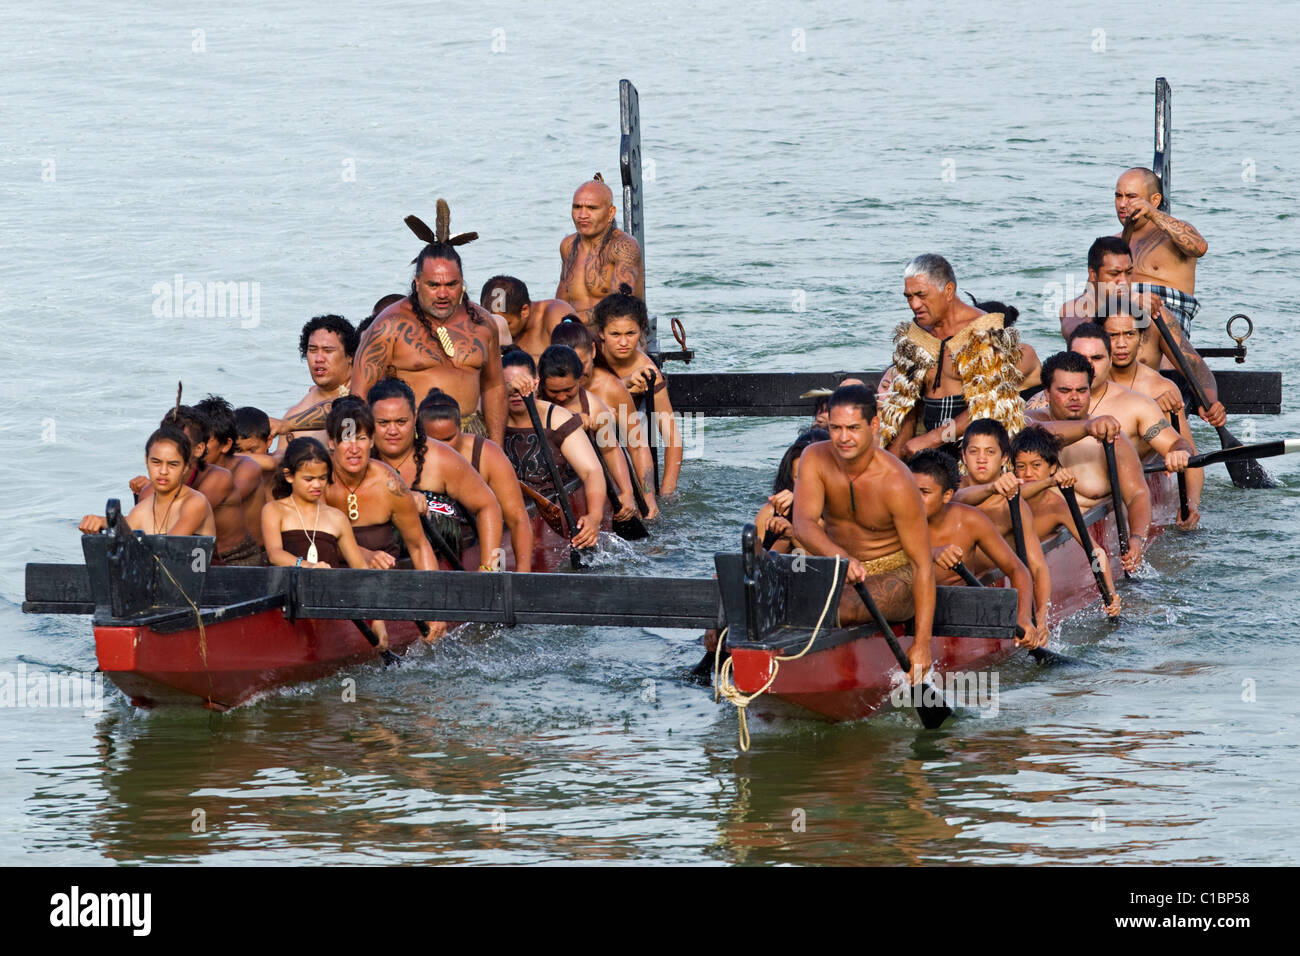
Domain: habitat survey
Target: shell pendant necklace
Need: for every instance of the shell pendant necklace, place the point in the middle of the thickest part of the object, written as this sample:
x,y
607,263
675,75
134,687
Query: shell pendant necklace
x,y
353,512
312,555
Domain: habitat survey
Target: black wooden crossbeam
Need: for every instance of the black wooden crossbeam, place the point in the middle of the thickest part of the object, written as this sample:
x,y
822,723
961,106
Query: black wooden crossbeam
x,y
776,394
502,598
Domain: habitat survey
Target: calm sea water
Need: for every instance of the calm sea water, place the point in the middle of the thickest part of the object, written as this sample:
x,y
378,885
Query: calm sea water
x,y
798,155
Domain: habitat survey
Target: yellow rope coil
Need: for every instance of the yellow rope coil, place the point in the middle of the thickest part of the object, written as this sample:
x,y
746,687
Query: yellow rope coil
x,y
723,685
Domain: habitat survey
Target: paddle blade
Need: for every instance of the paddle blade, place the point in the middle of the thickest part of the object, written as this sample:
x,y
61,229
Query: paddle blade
x,y
631,530
929,705
1051,659
1247,473
1250,474
702,673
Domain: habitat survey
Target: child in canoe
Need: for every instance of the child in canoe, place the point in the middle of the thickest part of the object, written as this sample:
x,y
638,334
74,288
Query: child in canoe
x,y
299,528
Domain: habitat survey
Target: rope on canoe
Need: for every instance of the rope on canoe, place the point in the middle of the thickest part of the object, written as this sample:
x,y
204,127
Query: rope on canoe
x,y
198,616
723,686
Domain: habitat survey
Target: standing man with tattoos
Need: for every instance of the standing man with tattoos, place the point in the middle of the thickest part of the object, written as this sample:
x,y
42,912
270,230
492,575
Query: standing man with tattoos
x,y
1165,249
598,257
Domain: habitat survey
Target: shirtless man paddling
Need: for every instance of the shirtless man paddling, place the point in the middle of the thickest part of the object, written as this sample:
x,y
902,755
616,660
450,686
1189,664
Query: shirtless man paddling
x,y
1067,377
873,516
246,471
1110,274
327,344
433,338
436,338
530,323
1140,418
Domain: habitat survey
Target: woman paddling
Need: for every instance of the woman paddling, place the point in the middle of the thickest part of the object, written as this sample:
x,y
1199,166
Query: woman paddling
x,y
623,327
569,448
444,485
609,388
299,528
559,372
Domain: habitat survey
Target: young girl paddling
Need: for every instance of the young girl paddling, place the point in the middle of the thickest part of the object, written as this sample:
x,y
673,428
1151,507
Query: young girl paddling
x,y
623,327
299,528
173,508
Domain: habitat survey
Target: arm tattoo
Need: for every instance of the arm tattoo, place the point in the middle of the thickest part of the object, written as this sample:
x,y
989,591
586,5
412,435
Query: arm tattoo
x,y
1155,429
374,358
627,262
1185,238
309,419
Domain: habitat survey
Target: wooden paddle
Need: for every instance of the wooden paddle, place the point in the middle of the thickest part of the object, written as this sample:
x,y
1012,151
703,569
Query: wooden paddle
x,y
642,506
1264,449
931,714
387,656
653,436
1184,511
1245,472
440,543
1018,528
1018,536
544,446
1116,500
629,529
547,508
1094,559
1040,654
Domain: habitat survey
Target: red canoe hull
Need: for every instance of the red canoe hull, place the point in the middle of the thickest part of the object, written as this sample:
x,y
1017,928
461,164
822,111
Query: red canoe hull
x,y
245,657
854,679
249,655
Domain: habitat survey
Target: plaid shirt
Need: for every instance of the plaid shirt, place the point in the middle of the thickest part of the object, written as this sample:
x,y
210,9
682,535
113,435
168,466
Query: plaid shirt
x,y
1181,304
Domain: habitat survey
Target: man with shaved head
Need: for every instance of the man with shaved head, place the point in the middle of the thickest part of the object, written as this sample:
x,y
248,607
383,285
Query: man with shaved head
x,y
1165,249
598,257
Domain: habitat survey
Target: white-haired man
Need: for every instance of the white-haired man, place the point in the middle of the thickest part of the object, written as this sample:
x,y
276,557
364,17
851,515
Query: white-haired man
x,y
952,363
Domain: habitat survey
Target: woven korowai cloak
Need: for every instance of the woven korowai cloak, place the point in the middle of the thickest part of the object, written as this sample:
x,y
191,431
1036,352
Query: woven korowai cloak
x,y
984,355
